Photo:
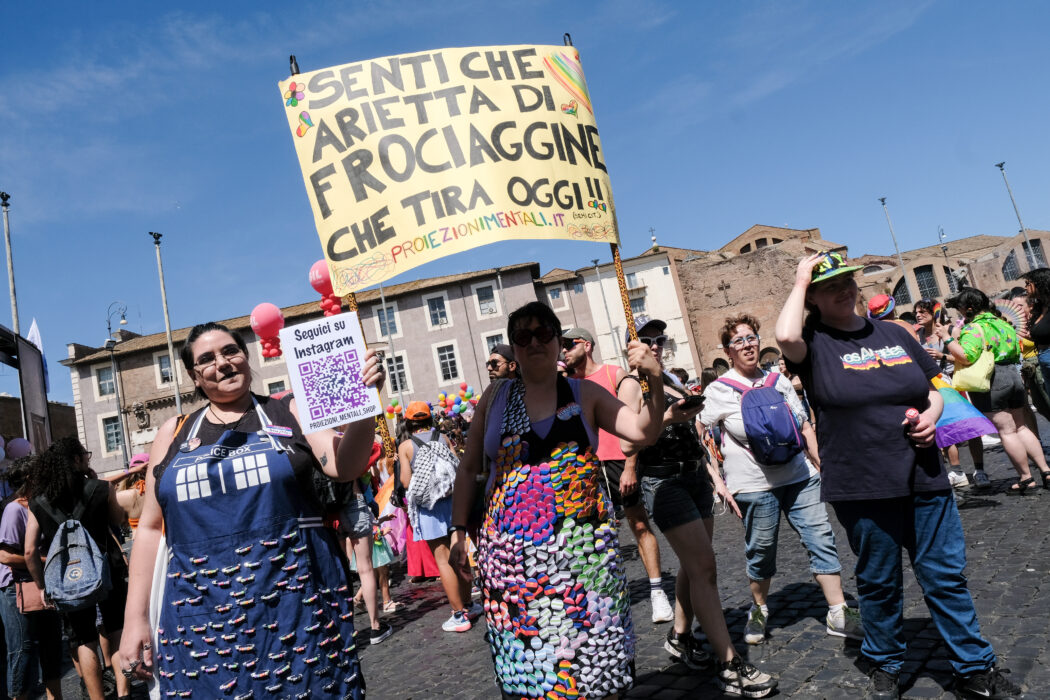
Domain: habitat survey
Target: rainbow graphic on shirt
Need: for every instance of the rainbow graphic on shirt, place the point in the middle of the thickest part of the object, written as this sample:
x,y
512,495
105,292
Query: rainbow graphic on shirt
x,y
867,358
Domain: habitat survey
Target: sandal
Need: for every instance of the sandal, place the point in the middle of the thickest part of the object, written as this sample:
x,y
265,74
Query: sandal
x,y
1021,486
392,606
1046,479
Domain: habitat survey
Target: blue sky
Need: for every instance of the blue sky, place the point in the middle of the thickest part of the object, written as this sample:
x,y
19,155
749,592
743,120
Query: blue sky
x,y
120,118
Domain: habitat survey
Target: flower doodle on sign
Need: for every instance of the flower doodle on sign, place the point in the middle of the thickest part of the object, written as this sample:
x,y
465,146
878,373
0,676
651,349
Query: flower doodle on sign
x,y
304,124
571,108
294,93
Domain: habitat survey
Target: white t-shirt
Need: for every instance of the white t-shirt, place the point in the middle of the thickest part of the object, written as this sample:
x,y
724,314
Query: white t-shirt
x,y
743,474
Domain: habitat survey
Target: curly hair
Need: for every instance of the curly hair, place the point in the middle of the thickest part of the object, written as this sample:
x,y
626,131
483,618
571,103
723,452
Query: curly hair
x,y
1040,301
19,471
729,327
56,479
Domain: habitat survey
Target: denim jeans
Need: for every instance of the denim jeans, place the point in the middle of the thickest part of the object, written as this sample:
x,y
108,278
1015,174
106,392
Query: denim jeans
x,y
1044,367
676,500
36,635
806,514
927,525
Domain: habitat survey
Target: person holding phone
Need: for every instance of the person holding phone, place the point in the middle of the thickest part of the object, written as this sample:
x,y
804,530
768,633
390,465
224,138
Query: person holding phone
x,y
678,495
760,492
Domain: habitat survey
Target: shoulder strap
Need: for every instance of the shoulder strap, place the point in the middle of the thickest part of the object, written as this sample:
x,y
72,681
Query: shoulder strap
x,y
734,384
418,443
90,489
609,375
54,513
771,379
623,379
179,423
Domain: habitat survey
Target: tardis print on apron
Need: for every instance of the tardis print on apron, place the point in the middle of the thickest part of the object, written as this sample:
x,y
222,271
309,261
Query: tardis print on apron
x,y
256,604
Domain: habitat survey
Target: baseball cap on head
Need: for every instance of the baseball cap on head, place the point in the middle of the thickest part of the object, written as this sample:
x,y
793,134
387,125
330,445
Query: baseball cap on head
x,y
503,350
578,334
641,322
417,410
831,265
880,306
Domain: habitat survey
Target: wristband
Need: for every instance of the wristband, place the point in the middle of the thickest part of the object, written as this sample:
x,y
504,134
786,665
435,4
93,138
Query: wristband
x,y
948,340
457,528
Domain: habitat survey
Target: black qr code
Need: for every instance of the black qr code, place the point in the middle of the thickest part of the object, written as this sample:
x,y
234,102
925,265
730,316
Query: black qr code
x,y
333,384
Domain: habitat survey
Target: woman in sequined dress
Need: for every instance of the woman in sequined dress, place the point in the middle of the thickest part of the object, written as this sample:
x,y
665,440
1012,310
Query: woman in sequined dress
x,y
255,600
555,594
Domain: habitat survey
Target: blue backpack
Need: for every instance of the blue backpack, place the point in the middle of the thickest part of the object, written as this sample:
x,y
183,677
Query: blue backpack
x,y
76,572
772,431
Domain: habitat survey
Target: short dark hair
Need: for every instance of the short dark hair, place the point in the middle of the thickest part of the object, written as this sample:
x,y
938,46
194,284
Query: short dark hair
x,y
970,299
729,327
534,310
186,353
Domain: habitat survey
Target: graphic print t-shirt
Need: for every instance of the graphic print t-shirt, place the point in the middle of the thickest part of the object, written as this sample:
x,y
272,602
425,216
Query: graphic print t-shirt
x,y
860,384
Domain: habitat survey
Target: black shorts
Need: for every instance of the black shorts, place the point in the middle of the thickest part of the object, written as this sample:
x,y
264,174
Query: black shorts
x,y
1007,391
613,469
80,625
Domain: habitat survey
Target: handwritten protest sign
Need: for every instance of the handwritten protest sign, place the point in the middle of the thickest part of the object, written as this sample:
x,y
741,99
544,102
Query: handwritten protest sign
x,y
410,158
324,359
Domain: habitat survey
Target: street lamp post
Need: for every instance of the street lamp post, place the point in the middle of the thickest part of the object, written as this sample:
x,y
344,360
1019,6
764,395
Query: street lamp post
x,y
167,325
4,196
111,343
1024,232
900,260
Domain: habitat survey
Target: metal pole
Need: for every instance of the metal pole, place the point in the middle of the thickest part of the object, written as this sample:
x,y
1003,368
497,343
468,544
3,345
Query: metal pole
x,y
167,324
502,299
900,260
393,352
608,316
1024,232
4,196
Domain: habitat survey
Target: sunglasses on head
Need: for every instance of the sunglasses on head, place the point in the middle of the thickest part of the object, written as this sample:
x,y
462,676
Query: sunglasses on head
x,y
657,341
524,336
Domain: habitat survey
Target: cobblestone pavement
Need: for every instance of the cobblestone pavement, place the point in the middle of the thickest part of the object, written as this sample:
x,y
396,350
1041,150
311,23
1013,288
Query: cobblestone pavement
x,y
1008,548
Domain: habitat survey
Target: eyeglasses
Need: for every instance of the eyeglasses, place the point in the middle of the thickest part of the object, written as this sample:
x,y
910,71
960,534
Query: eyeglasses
x,y
495,364
659,341
85,455
230,352
569,343
523,336
743,342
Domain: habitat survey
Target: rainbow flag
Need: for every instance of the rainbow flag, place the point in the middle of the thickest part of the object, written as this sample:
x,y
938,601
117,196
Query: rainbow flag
x,y
959,421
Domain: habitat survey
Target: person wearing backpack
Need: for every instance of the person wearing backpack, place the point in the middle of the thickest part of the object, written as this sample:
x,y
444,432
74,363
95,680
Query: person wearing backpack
x,y
767,472
60,490
428,471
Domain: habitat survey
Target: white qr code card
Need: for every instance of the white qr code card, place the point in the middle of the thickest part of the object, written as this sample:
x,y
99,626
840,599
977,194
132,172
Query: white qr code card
x,y
324,359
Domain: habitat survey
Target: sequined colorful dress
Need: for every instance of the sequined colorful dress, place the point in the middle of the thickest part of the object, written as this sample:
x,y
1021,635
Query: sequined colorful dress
x,y
256,603
555,593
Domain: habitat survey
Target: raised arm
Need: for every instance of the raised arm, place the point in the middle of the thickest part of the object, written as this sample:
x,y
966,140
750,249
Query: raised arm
x,y
789,324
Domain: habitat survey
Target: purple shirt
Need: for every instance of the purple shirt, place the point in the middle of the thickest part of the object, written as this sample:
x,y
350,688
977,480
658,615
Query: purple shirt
x,y
13,534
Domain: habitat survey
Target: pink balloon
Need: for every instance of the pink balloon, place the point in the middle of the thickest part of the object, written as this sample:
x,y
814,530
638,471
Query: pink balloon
x,y
320,278
266,320
18,448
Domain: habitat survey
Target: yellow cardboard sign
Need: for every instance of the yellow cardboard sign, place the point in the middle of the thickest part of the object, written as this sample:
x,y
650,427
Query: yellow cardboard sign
x,y
410,158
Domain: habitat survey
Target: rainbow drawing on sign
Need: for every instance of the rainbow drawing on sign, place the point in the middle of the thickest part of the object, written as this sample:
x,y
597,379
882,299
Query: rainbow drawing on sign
x,y
570,108
293,94
566,70
304,124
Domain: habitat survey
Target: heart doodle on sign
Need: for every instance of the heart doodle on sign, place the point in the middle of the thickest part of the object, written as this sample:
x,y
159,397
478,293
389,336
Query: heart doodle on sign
x,y
570,108
304,124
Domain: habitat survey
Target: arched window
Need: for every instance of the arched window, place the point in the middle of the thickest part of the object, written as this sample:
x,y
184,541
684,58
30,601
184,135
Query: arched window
x,y
871,269
746,249
928,288
1010,271
900,293
953,285
721,365
768,357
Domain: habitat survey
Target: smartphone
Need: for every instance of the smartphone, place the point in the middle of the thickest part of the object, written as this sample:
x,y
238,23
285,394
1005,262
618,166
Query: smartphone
x,y
691,402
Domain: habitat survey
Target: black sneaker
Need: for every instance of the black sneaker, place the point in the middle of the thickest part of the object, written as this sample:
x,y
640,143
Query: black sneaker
x,y
378,635
884,685
989,684
686,649
738,677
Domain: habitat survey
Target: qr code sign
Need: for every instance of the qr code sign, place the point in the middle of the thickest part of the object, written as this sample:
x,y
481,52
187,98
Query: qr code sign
x,y
332,384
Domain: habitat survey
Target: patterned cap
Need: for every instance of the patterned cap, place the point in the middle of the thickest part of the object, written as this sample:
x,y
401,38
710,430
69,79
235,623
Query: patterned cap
x,y
832,265
881,306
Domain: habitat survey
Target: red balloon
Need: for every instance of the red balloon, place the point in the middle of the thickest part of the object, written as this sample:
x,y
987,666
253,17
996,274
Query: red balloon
x,y
463,386
266,320
320,278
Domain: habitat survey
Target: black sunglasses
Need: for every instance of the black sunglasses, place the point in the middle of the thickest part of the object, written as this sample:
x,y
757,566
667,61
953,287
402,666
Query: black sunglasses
x,y
494,364
570,343
523,336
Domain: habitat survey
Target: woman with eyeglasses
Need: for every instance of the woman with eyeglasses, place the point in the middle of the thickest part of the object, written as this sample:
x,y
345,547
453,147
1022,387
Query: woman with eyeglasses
x,y
877,410
761,491
678,495
549,567
255,596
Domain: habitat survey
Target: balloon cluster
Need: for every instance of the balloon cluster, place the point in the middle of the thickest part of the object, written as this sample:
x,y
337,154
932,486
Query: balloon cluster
x,y
393,408
267,321
321,281
457,402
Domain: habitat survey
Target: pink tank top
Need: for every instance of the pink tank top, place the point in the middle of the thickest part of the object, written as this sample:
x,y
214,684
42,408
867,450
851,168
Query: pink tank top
x,y
608,444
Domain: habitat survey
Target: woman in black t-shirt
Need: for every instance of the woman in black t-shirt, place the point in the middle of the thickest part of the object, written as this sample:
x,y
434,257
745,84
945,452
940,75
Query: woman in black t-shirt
x,y
882,475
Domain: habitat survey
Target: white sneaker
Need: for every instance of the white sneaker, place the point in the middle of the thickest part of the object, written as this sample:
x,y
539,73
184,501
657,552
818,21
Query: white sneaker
x,y
957,480
990,441
457,623
844,621
755,630
662,610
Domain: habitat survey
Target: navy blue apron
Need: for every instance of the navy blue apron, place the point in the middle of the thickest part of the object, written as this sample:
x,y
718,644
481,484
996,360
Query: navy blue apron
x,y
256,603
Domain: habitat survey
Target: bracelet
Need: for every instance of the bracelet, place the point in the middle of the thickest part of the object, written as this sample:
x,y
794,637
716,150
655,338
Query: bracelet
x,y
948,340
457,528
